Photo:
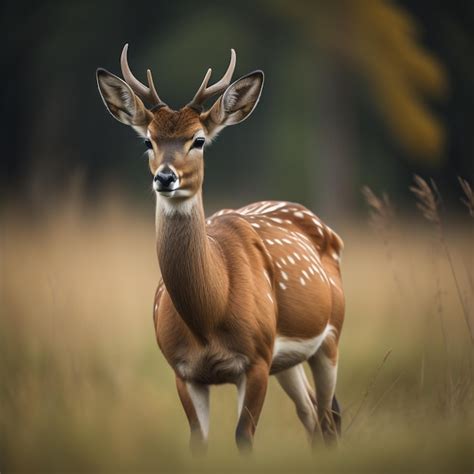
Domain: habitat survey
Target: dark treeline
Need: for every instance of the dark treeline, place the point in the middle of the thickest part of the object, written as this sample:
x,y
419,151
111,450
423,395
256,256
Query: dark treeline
x,y
355,94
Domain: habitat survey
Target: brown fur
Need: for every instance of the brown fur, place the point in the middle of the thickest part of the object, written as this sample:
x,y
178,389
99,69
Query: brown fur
x,y
168,124
214,320
238,282
215,299
216,315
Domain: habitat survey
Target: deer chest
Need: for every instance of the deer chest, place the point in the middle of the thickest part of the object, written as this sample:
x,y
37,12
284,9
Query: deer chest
x,y
211,366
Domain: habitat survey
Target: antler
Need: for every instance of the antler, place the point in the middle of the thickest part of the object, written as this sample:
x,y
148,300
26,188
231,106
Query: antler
x,y
205,92
145,93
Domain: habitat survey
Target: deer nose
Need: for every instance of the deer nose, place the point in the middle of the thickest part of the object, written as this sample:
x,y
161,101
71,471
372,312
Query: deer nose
x,y
165,177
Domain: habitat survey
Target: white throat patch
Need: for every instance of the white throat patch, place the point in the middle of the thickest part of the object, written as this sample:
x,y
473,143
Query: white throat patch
x,y
167,207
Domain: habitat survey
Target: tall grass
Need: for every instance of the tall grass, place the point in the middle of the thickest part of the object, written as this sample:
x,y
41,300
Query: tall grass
x,y
429,201
468,198
83,386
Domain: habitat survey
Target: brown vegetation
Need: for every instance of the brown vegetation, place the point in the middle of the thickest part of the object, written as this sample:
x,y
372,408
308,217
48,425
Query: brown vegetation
x,y
84,387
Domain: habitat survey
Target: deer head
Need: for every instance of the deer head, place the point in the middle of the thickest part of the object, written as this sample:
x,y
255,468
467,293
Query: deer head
x,y
176,138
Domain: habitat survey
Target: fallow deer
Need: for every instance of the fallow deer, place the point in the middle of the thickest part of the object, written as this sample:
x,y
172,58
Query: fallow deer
x,y
246,293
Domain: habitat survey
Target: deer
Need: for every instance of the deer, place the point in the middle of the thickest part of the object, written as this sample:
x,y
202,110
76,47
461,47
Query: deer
x,y
244,294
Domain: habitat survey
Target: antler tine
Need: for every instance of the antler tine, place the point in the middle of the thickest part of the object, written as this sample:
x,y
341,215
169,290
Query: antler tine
x,y
152,88
146,93
205,92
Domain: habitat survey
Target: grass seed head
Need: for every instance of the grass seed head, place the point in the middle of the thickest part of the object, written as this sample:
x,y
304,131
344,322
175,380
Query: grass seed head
x,y
428,199
468,198
381,211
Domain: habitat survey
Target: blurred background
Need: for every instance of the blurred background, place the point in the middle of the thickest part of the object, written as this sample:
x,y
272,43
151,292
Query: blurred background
x,y
356,94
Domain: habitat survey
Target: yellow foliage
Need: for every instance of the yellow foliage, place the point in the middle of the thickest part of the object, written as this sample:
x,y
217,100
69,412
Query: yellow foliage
x,y
379,40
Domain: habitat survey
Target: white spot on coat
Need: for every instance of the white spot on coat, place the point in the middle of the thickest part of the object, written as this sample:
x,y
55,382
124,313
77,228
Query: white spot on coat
x,y
265,274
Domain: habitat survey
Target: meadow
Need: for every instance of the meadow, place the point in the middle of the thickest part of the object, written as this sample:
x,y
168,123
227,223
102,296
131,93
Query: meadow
x,y
84,387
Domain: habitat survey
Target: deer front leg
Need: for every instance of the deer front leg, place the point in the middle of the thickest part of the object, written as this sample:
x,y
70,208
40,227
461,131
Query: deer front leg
x,y
252,387
195,400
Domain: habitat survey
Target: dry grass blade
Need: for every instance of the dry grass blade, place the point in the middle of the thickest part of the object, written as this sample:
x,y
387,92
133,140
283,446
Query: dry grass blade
x,y
381,209
382,220
370,386
427,199
388,390
468,200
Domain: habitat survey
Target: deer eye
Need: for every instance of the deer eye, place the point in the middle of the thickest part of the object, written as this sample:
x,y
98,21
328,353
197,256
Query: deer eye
x,y
198,143
148,144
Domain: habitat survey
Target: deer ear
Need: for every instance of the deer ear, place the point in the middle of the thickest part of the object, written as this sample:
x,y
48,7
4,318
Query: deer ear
x,y
120,100
235,104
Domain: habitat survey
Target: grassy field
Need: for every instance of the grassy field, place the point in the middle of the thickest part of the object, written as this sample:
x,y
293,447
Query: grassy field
x,y
83,386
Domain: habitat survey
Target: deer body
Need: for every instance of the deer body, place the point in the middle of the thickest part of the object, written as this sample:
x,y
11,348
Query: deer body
x,y
246,293
279,302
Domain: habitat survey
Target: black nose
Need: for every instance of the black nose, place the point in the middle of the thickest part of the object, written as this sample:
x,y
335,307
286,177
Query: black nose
x,y
165,177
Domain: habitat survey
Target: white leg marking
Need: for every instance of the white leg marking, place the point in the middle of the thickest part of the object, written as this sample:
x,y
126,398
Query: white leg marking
x,y
241,386
306,381
325,375
199,395
295,383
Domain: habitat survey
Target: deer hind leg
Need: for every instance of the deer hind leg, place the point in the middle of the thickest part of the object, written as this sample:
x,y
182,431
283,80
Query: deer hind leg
x,y
324,368
252,388
336,414
195,400
295,383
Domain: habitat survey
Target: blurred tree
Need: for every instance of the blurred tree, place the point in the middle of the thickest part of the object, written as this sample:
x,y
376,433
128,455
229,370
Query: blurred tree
x,y
379,40
345,101
378,43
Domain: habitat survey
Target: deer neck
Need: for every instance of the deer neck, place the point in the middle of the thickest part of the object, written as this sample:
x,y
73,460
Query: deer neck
x,y
191,264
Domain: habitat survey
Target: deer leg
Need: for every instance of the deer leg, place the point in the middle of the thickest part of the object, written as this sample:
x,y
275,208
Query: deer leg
x,y
295,383
195,400
324,367
252,390
336,413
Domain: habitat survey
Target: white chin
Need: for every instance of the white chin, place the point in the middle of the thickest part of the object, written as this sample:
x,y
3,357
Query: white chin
x,y
168,194
177,193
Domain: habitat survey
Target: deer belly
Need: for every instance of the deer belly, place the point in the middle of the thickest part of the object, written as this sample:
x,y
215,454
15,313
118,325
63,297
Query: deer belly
x,y
289,351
